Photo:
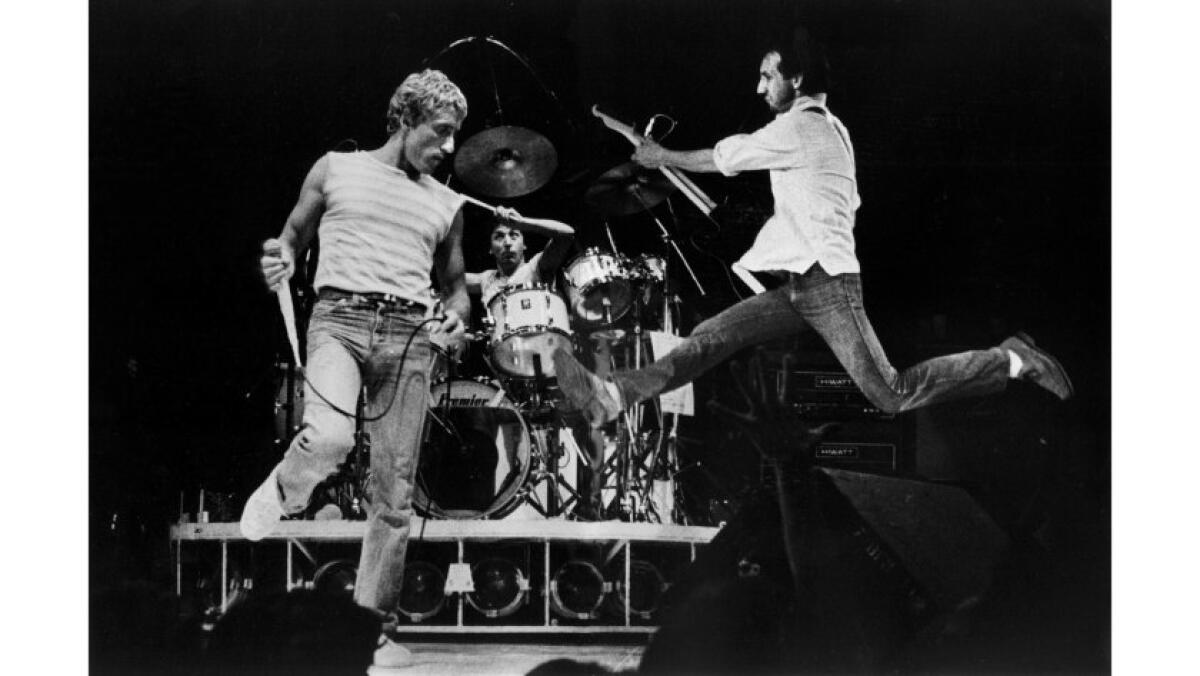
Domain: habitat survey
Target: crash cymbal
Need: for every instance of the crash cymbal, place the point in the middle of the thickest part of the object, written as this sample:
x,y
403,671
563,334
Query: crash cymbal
x,y
506,161
628,188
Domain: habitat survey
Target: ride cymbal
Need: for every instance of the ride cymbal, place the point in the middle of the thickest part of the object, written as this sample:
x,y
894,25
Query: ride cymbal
x,y
628,188
506,161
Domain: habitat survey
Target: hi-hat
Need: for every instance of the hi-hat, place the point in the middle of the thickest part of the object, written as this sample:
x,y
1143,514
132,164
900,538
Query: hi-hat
x,y
506,161
627,189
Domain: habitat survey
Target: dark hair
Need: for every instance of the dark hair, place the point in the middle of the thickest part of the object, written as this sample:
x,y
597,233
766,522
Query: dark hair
x,y
497,222
799,54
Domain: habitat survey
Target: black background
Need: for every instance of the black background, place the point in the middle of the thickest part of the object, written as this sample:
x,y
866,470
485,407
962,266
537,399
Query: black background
x,y
981,129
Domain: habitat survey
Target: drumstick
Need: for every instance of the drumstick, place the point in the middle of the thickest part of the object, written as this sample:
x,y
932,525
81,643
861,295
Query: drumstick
x,y
543,222
611,241
479,203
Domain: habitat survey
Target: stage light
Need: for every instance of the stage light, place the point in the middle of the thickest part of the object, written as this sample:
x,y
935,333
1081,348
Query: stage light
x,y
423,593
646,587
577,590
336,577
500,587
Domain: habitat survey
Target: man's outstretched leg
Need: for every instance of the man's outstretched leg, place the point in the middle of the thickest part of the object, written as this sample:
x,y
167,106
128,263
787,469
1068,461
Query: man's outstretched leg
x,y
324,440
767,316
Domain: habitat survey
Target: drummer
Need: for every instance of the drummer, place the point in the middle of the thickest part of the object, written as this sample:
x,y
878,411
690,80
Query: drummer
x,y
508,248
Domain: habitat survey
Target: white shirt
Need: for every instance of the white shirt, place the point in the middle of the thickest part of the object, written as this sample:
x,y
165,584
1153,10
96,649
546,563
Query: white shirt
x,y
811,162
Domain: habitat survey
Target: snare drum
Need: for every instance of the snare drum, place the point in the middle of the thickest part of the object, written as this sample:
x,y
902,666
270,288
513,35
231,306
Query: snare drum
x,y
596,279
530,321
476,457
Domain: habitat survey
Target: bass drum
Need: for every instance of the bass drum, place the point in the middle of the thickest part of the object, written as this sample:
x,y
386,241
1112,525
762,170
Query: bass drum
x,y
477,455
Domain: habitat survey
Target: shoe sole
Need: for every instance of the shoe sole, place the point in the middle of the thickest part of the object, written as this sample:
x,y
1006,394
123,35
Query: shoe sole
x,y
1028,340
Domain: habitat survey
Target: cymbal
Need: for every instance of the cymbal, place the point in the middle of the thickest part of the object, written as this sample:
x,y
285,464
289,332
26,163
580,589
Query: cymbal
x,y
506,161
628,188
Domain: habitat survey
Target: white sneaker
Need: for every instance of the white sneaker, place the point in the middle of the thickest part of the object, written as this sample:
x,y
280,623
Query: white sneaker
x,y
263,510
391,655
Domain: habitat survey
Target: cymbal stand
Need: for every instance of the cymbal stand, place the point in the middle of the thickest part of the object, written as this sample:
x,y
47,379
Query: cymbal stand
x,y
665,440
634,481
631,478
670,301
666,238
612,474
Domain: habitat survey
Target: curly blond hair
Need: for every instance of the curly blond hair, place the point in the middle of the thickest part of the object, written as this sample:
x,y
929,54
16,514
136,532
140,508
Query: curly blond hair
x,y
421,96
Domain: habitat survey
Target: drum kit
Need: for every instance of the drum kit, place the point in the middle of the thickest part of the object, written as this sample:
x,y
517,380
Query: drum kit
x,y
500,439
506,438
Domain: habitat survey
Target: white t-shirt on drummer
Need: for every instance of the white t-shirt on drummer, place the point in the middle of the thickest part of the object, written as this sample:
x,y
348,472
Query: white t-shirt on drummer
x,y
492,282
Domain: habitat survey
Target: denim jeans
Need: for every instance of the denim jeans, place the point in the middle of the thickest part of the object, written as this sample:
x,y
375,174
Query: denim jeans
x,y
833,307
352,344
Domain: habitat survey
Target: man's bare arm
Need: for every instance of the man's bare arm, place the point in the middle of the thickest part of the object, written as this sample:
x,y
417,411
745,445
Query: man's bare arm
x,y
451,272
552,256
279,254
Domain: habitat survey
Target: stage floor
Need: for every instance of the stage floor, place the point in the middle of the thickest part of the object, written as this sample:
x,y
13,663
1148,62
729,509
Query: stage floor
x,y
469,656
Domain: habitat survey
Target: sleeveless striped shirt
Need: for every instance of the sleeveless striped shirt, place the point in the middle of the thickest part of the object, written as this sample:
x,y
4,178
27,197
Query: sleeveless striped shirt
x,y
380,228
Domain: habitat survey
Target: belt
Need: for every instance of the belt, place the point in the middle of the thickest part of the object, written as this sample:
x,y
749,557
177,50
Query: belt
x,y
385,300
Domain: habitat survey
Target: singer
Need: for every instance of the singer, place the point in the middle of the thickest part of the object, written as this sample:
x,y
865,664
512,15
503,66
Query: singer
x,y
807,245
384,224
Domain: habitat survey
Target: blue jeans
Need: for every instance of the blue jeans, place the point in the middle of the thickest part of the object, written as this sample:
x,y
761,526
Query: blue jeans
x,y
352,343
833,307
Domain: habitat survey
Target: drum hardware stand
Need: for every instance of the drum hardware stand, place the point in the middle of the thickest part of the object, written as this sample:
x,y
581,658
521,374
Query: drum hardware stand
x,y
551,451
667,440
638,477
347,487
670,462
626,468
539,383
